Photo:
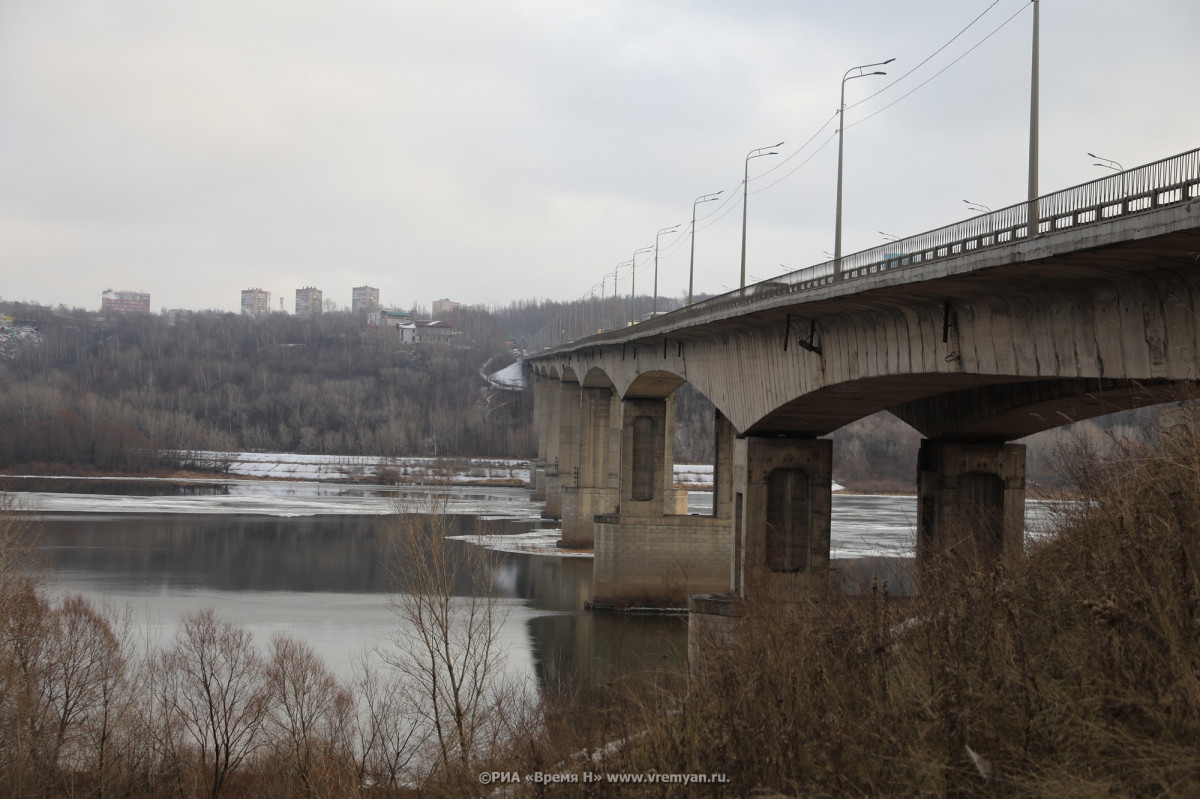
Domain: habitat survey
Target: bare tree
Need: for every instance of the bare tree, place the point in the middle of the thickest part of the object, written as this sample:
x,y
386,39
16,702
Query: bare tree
x,y
213,683
389,737
309,719
447,632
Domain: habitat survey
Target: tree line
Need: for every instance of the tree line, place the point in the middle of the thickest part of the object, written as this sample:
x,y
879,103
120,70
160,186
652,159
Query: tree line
x,y
112,393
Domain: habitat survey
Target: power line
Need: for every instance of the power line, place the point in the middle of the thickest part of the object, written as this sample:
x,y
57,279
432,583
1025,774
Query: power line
x,y
940,71
929,58
824,144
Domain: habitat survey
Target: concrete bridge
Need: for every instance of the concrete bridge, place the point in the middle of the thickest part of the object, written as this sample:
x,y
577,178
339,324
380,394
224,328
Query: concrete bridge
x,y
1081,303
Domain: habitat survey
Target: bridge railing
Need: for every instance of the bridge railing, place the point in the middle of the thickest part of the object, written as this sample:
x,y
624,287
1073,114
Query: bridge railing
x,y
1142,189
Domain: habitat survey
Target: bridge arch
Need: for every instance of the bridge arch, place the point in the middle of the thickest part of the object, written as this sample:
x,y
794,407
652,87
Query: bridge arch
x,y
967,407
655,384
596,377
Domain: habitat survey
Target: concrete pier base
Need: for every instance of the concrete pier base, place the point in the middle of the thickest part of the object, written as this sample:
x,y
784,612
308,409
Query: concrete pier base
x,y
656,562
712,627
579,509
537,481
553,507
970,502
782,497
599,445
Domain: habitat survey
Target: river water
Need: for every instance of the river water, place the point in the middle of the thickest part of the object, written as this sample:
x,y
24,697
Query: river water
x,y
308,559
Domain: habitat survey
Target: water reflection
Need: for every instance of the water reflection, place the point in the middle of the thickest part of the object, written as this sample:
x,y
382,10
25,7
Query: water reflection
x,y
311,561
323,578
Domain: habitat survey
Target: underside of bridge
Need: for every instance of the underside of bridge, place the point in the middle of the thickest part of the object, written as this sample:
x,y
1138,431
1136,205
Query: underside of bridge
x,y
975,354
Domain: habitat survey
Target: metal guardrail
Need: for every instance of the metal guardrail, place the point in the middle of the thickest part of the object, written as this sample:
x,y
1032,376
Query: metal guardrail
x,y
1170,181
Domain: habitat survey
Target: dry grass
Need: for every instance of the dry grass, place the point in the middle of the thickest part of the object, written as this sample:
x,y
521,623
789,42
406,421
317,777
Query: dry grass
x,y
1073,672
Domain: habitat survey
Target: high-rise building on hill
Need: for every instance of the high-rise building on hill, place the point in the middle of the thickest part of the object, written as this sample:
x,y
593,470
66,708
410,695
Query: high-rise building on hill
x,y
364,298
124,302
444,307
308,301
256,301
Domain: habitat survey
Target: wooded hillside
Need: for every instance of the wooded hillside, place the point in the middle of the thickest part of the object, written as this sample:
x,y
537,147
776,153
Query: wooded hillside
x,y
105,393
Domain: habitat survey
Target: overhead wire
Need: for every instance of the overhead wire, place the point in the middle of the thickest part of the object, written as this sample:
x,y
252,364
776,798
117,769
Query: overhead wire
x,y
930,57
732,198
923,83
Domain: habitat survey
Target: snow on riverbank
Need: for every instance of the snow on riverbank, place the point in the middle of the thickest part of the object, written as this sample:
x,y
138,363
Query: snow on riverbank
x,y
426,471
413,471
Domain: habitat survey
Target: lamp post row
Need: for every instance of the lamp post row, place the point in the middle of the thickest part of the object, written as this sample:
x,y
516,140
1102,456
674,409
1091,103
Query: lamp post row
x,y
837,241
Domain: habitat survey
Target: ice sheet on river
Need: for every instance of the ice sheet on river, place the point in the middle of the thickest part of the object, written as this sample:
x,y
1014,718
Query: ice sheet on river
x,y
296,499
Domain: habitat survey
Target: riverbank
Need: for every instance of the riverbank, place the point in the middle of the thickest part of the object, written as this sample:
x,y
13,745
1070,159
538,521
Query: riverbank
x,y
352,469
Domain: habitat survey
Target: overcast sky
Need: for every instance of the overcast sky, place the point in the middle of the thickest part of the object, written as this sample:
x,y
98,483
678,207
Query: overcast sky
x,y
495,150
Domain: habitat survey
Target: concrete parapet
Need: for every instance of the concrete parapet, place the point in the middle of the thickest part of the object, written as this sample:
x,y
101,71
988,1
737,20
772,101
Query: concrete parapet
x,y
658,562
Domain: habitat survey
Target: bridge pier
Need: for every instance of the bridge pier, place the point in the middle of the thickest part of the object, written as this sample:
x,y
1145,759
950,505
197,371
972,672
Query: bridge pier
x,y
562,453
650,553
783,492
599,454
542,399
970,502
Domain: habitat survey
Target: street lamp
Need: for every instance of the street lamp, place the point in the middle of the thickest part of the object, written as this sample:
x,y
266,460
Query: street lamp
x,y
1033,119
616,294
692,263
837,234
597,318
979,207
756,153
664,230
633,285
1108,163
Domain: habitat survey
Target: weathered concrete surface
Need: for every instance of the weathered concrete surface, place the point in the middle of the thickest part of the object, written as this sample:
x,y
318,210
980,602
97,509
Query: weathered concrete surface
x,y
1094,317
644,561
598,458
970,501
978,348
782,536
712,627
542,386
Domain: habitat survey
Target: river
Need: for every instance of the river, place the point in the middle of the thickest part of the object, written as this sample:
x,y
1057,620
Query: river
x,y
307,558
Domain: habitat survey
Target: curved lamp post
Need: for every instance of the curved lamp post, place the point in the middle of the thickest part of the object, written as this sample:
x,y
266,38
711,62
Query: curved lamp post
x,y
671,229
1108,163
837,234
692,262
616,294
755,153
633,285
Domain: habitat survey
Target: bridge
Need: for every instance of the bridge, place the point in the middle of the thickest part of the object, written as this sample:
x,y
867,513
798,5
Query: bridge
x,y
1081,303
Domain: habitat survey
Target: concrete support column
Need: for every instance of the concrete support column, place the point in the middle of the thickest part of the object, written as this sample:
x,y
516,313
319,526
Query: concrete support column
x,y
651,553
970,502
647,473
781,506
723,447
541,424
599,441
564,438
